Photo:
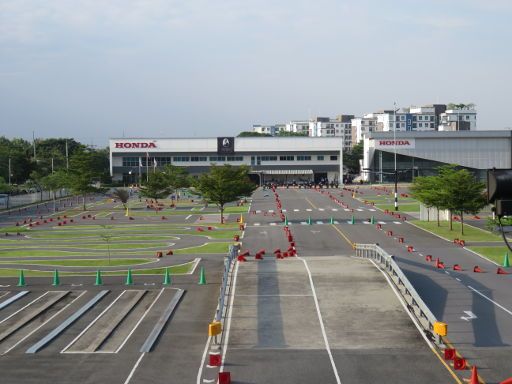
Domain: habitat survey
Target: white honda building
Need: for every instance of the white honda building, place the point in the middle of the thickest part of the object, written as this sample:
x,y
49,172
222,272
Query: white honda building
x,y
281,159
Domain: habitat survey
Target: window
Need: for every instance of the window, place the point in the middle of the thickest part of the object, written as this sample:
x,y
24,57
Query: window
x,y
217,158
180,158
235,158
303,158
130,161
198,158
334,158
420,125
268,158
286,158
402,117
320,157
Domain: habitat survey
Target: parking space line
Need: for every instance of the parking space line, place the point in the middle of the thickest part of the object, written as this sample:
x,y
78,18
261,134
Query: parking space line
x,y
26,306
66,323
162,321
128,379
229,317
12,299
92,322
140,320
46,322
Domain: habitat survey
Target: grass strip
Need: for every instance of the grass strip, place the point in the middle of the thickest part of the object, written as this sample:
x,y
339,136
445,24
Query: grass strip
x,y
470,233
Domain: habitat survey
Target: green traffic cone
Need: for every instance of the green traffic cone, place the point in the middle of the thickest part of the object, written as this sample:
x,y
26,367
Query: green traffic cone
x,y
372,220
332,220
506,262
56,280
353,220
21,279
129,278
98,281
309,220
202,277
167,277
286,220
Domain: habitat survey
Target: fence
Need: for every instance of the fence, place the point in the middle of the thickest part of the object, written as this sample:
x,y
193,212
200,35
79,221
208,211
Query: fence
x,y
414,302
226,281
7,201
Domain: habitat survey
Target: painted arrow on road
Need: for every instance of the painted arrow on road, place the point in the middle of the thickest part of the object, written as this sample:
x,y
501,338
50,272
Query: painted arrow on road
x,y
470,316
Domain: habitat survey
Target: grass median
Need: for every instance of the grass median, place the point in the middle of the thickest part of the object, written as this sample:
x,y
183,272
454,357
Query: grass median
x,y
496,254
470,233
83,262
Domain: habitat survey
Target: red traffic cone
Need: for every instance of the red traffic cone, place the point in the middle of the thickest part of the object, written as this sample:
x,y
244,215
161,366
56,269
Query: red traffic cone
x,y
457,267
241,258
277,250
258,256
501,271
474,376
507,381
428,258
169,252
477,269
439,264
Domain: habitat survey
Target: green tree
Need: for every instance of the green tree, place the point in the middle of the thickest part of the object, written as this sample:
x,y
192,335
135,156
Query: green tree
x,y
157,186
253,134
4,187
224,184
286,134
461,192
54,182
351,158
122,195
106,236
85,174
177,177
428,191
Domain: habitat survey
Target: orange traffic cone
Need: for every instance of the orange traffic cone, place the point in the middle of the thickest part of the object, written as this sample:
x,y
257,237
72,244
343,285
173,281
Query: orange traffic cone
x,y
474,376
501,271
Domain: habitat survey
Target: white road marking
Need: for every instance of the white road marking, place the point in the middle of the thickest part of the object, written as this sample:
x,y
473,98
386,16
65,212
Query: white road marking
x,y
296,210
491,300
322,327
284,210
366,222
270,211
48,320
92,322
188,217
371,209
336,222
470,316
258,211
273,224
319,222
397,222
321,209
346,210
303,223
447,272
309,210
359,210
26,306
134,368
335,209
140,320
229,317
257,224
457,279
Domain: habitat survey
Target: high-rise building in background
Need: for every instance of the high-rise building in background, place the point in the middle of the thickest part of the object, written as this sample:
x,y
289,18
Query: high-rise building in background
x,y
433,117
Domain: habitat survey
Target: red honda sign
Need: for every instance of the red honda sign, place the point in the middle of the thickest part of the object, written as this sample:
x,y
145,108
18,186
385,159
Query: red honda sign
x,y
135,145
400,143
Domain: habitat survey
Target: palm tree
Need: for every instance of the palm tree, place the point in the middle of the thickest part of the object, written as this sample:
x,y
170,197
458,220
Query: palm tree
x,y
122,195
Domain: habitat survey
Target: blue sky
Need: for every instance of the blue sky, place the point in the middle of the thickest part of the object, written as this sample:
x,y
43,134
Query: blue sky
x,y
94,69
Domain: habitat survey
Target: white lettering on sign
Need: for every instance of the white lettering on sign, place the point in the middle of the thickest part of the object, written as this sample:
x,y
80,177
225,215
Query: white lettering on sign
x,y
135,145
390,143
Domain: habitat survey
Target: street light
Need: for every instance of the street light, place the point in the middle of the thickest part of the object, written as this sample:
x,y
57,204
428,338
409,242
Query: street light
x,y
394,147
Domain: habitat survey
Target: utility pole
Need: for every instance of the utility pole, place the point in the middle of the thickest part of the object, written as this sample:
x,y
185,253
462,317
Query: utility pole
x,y
34,144
67,157
394,146
9,171
52,165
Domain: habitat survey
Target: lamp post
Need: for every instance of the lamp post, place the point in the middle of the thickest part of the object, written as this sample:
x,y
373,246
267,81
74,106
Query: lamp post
x,y
394,149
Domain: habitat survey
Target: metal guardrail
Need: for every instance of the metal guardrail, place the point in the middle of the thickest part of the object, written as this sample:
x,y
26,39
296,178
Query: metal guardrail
x,y
414,302
228,263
